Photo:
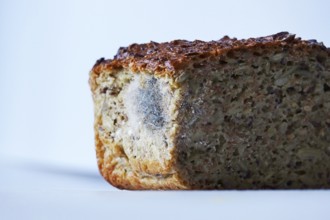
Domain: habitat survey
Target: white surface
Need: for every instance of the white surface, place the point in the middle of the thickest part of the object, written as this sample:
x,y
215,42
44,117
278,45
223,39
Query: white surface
x,y
31,190
48,168
77,204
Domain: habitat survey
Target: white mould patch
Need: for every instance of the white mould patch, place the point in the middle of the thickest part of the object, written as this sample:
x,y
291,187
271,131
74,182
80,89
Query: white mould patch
x,y
147,104
146,100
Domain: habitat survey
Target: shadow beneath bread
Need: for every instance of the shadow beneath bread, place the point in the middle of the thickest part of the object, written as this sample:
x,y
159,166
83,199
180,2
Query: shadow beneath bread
x,y
62,170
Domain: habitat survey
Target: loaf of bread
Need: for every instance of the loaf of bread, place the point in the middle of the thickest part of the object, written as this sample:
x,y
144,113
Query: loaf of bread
x,y
225,114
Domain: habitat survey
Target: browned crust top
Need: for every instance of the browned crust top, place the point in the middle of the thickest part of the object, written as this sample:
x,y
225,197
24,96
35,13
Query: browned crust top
x,y
169,57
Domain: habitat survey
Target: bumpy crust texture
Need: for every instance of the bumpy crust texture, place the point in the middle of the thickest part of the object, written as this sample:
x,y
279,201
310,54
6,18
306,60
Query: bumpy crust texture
x,y
170,57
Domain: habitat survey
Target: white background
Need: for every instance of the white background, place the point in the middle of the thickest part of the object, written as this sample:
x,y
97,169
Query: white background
x,y
46,115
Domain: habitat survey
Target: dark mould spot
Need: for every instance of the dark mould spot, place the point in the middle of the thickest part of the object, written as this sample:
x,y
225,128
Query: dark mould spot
x,y
250,122
209,149
234,76
222,62
198,65
246,174
233,99
303,66
310,89
315,108
316,124
270,90
297,76
231,54
278,101
301,92
227,118
248,100
235,153
104,90
254,66
289,63
326,87
300,172
328,124
321,59
258,138
289,183
298,164
290,90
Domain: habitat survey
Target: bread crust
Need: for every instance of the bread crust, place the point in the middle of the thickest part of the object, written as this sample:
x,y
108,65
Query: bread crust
x,y
169,57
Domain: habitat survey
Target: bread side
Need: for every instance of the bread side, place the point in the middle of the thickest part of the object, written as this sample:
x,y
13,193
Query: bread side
x,y
256,118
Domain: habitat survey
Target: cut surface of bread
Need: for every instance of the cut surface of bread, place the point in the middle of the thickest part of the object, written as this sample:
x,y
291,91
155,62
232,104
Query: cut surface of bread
x,y
225,114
